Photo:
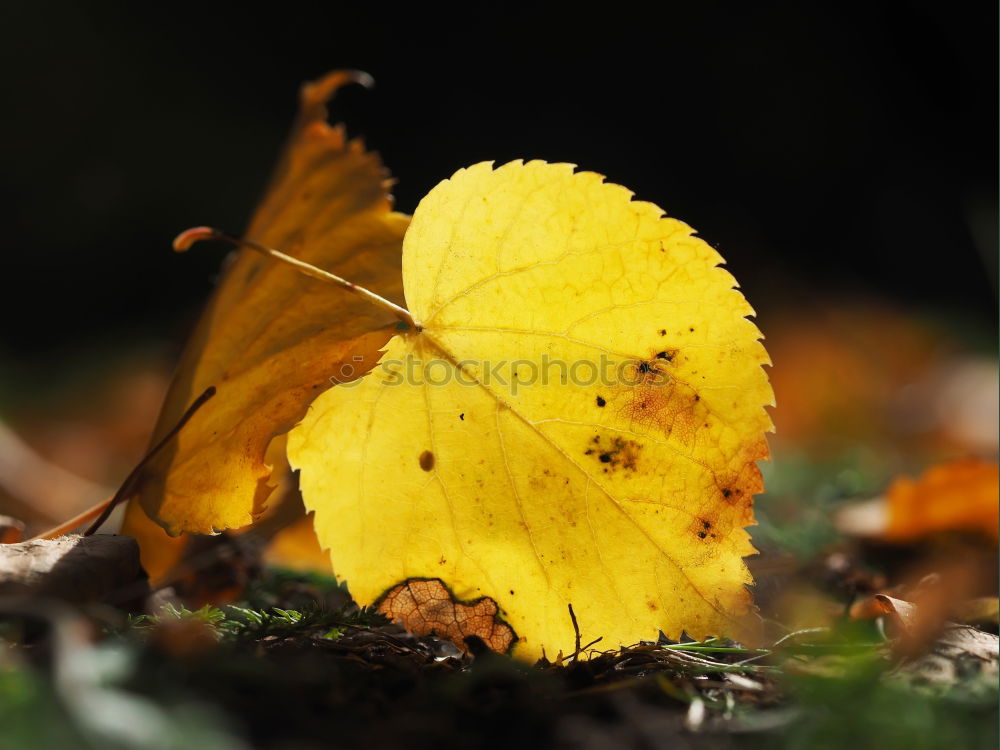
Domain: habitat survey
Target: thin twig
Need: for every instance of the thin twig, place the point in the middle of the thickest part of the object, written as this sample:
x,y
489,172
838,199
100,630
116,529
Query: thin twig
x,y
102,510
576,630
128,486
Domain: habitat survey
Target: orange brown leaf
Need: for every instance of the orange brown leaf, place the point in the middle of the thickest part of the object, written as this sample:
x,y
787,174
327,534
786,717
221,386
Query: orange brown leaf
x,y
960,495
272,339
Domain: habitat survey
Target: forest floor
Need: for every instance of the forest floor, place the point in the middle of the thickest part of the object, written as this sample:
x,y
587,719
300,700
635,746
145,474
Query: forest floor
x,y
293,664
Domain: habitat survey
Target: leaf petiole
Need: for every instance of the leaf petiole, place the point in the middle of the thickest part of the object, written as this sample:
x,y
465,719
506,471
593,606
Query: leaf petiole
x,y
187,238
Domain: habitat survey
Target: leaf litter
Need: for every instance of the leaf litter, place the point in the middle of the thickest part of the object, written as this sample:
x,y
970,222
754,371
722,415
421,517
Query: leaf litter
x,y
292,662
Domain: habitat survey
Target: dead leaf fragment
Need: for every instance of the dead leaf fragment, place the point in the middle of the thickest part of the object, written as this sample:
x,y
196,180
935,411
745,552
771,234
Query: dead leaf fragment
x,y
905,611
426,607
955,653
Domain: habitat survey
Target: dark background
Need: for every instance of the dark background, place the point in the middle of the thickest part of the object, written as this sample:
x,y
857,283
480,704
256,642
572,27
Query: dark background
x,y
825,149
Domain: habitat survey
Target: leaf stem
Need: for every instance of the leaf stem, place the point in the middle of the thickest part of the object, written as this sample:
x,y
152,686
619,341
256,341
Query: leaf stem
x,y
187,238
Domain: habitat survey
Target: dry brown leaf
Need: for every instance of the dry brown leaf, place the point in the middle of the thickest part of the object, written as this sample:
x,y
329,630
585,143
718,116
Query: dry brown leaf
x,y
939,651
272,339
425,607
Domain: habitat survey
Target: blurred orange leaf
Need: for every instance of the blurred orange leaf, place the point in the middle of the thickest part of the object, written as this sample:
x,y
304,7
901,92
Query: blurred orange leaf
x,y
835,378
960,495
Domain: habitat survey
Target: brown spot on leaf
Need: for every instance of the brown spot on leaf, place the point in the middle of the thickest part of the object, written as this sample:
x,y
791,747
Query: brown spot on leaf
x,y
601,401
618,453
670,408
425,606
426,460
651,396
744,481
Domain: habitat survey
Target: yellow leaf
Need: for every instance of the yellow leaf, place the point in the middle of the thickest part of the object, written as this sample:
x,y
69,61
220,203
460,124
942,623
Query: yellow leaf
x,y
272,338
465,456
